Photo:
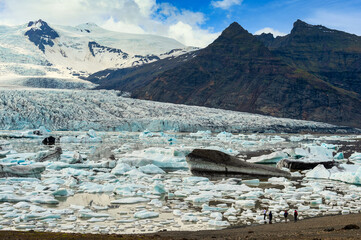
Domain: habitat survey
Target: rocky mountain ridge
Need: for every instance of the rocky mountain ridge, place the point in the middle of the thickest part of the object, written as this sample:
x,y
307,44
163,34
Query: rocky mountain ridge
x,y
312,74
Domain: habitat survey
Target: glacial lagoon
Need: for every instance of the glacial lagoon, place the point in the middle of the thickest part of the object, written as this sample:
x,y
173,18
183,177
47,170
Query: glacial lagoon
x,y
136,182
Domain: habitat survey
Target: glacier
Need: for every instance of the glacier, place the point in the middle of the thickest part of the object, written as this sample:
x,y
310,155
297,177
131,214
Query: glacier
x,y
39,54
103,110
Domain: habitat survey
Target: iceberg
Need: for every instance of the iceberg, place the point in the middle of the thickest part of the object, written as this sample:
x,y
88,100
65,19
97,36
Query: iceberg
x,y
274,157
217,223
151,169
32,170
131,200
146,214
319,172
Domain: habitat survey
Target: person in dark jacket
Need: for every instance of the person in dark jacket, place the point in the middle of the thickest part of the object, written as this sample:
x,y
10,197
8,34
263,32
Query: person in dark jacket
x,y
264,214
270,217
285,215
295,215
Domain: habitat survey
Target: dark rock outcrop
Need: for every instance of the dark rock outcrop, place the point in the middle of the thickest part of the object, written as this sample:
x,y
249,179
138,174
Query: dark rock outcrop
x,y
49,140
204,161
41,34
295,165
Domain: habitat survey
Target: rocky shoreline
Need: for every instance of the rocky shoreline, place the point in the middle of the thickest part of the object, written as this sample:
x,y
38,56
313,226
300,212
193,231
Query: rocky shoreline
x,y
327,227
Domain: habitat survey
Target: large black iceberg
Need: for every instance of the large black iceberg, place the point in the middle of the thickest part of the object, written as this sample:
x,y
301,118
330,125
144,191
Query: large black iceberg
x,y
205,161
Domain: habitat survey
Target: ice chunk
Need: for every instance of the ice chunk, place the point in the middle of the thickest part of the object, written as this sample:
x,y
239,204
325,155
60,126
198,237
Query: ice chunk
x,y
355,157
348,177
274,157
296,138
89,214
121,168
203,134
245,203
339,156
151,169
193,180
45,199
218,223
159,188
62,192
131,200
146,214
189,217
216,216
319,172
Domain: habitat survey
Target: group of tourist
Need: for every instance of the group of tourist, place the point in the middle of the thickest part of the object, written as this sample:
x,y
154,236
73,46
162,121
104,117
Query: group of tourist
x,y
285,214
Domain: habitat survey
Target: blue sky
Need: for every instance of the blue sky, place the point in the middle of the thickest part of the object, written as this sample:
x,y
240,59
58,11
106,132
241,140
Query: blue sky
x,y
279,14
192,22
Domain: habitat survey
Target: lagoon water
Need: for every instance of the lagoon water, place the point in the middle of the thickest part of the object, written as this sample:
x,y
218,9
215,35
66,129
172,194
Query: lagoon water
x,y
131,182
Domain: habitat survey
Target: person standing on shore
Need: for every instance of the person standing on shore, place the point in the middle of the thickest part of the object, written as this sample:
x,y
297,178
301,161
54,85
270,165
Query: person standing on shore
x,y
285,215
270,217
264,214
295,215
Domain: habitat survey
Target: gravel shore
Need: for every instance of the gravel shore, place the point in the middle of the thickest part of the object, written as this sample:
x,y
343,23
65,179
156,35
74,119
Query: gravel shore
x,y
328,227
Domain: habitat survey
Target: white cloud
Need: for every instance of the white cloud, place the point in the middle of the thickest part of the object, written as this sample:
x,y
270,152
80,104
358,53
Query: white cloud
x,y
133,16
270,30
195,37
225,4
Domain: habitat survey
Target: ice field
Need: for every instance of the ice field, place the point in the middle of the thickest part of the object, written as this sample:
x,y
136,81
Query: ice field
x,y
74,110
132,182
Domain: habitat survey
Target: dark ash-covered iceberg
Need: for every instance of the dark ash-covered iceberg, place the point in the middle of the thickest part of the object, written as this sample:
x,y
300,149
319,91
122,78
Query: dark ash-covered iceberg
x,y
205,161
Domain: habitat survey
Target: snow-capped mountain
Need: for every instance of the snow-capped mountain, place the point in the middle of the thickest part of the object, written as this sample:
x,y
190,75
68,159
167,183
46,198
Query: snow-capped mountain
x,y
41,55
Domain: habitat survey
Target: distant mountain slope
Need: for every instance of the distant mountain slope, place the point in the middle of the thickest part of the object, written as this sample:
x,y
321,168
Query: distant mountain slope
x,y
239,72
334,56
131,79
32,54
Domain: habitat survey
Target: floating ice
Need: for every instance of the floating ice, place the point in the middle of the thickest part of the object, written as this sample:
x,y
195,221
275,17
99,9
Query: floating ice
x,y
146,214
131,200
45,199
151,169
193,180
319,172
218,223
245,203
274,157
339,156
121,168
90,214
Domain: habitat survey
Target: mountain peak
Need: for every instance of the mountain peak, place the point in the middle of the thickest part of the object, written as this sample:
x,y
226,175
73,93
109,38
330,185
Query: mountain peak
x,y
233,30
300,25
88,25
41,34
37,24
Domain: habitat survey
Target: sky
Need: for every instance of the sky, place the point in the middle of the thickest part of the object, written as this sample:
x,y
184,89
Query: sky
x,y
191,22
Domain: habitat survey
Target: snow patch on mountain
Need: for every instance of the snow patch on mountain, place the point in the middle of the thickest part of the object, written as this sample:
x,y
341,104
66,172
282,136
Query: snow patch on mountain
x,y
36,51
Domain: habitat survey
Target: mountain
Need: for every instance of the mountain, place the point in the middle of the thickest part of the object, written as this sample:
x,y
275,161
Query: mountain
x,y
283,77
333,56
43,55
131,79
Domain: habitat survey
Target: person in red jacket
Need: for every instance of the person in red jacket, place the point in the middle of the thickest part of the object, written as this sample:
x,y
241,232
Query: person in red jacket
x,y
295,215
